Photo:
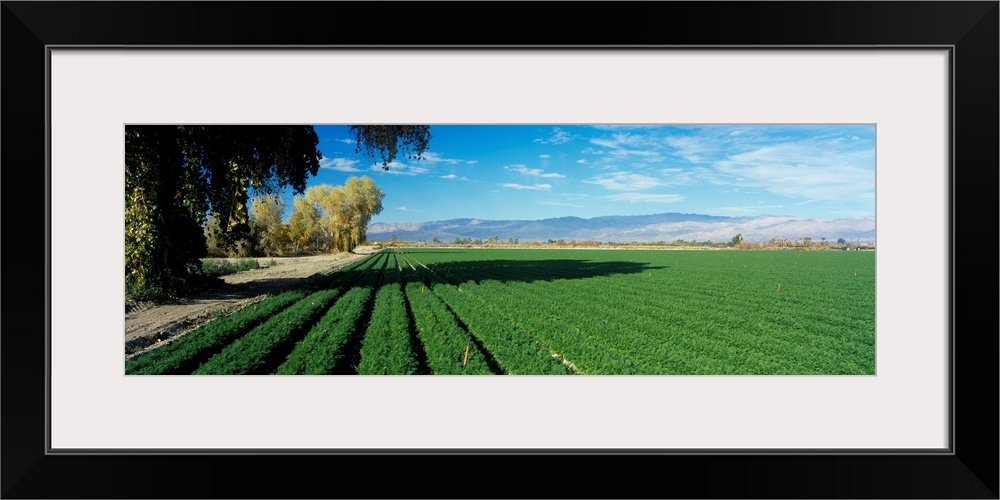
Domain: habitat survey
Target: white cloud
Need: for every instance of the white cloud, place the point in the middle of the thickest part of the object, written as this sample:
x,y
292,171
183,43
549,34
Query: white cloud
x,y
559,136
545,156
399,168
828,164
534,187
559,204
340,164
646,198
692,149
636,150
604,143
471,162
581,161
624,127
449,176
576,196
756,209
624,181
624,140
437,158
405,209
536,172
802,170
347,141
678,176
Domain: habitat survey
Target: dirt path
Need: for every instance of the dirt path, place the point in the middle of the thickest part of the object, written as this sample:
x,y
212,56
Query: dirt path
x,y
148,326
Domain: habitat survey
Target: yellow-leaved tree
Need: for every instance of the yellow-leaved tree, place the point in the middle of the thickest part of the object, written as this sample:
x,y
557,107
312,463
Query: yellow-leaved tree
x,y
338,216
266,212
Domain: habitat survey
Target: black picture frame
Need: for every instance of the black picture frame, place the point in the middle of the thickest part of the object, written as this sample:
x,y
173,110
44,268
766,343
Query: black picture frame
x,y
970,470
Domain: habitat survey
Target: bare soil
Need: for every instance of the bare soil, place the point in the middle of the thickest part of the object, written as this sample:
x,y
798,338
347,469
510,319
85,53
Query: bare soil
x,y
149,325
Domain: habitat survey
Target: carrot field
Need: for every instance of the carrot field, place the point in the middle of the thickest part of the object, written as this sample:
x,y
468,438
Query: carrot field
x,y
454,311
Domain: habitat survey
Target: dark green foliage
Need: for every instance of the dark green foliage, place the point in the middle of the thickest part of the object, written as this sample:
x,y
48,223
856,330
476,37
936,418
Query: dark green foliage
x,y
386,349
444,341
692,312
386,346
325,346
250,353
221,267
515,349
183,355
176,174
383,142
596,312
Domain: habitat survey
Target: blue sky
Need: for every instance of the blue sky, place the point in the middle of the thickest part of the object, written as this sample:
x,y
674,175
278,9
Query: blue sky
x,y
543,171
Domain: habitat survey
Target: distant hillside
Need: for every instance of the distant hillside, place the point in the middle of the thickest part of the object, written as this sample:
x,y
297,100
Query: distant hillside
x,y
633,228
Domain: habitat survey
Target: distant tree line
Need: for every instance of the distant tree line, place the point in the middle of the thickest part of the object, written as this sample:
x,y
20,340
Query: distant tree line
x,y
736,242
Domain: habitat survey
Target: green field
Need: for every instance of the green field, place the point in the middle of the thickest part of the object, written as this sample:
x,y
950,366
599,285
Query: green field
x,y
553,311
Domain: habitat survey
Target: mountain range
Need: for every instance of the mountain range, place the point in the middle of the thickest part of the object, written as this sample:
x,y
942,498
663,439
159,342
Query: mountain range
x,y
667,227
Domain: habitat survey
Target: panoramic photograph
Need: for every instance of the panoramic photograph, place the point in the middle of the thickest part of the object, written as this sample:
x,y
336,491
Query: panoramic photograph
x,y
535,249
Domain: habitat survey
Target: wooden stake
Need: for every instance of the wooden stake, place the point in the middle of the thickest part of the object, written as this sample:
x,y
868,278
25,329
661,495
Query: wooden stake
x,y
779,287
466,360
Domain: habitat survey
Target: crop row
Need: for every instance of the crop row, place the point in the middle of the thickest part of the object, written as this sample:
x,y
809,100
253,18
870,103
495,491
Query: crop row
x,y
326,346
450,349
189,352
186,353
262,347
708,314
514,348
553,312
386,348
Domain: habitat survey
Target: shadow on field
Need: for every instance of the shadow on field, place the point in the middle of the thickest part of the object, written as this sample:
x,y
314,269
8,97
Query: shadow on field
x,y
276,285
527,271
221,290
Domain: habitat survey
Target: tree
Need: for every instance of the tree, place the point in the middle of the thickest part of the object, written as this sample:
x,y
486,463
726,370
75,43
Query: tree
x,y
737,239
364,200
304,225
345,211
239,248
332,220
175,175
179,173
383,142
269,234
